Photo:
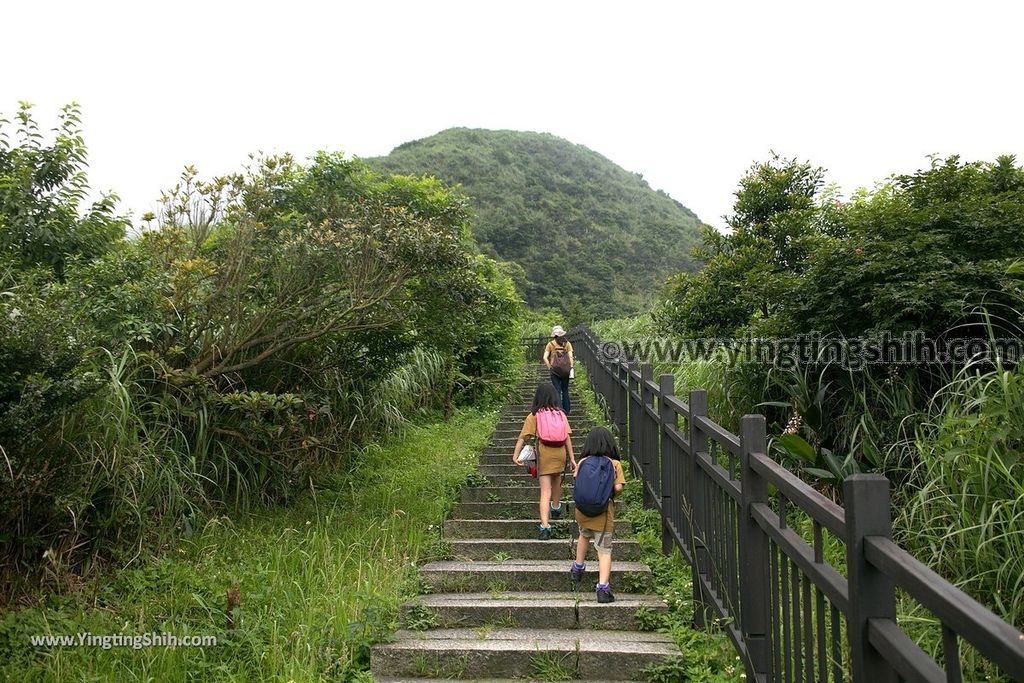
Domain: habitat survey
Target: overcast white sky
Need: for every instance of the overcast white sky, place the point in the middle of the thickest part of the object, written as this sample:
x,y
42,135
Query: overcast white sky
x,y
689,94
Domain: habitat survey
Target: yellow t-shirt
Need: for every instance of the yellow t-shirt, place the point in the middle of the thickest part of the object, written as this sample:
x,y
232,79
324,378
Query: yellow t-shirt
x,y
606,520
550,349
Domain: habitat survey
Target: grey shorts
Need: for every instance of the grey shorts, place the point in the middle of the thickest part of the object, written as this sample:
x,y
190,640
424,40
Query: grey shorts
x,y
601,540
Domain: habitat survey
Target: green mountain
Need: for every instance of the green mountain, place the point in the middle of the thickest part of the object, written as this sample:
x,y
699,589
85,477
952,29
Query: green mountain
x,y
592,238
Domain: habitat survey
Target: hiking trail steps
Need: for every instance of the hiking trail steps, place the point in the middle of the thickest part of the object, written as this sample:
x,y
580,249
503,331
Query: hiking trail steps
x,y
502,608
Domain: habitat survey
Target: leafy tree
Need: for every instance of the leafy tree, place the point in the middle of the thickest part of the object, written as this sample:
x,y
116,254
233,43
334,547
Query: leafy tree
x,y
299,256
924,252
750,272
43,229
933,252
42,190
268,321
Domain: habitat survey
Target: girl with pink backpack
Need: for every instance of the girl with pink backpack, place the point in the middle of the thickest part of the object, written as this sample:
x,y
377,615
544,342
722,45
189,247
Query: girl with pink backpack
x,y
548,426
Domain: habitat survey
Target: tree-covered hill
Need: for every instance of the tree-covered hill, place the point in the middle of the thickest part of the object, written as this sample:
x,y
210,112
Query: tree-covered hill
x,y
591,237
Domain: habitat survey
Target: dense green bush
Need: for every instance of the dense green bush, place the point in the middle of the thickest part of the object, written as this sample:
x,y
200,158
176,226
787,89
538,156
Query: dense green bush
x,y
227,354
936,253
930,253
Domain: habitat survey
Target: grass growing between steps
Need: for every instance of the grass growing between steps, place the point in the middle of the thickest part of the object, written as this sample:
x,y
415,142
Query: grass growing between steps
x,y
707,656
319,581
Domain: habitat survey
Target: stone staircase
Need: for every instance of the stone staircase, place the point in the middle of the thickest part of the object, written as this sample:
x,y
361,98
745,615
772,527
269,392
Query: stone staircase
x,y
503,607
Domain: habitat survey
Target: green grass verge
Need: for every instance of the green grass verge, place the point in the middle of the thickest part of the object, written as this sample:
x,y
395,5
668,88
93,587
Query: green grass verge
x,y
320,581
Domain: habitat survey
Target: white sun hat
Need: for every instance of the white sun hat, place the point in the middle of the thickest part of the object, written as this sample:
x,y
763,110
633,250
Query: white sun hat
x,y
557,331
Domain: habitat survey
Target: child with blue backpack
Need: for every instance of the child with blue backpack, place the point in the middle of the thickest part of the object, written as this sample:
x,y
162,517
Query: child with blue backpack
x,y
548,426
599,477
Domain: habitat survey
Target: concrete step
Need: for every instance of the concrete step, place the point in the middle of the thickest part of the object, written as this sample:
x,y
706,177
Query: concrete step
x,y
406,679
516,426
510,442
502,458
493,494
512,509
509,438
522,408
522,479
520,653
517,528
623,549
453,576
529,610
505,459
516,419
512,429
506,450
508,468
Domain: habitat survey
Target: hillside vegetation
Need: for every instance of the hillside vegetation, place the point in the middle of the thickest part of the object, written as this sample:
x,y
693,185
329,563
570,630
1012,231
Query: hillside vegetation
x,y
241,347
593,239
936,255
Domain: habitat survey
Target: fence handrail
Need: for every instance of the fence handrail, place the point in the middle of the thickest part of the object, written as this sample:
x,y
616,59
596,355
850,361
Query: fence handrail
x,y
756,572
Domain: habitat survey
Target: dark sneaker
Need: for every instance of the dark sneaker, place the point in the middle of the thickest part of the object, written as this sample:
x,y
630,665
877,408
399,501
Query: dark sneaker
x,y
556,513
544,533
576,573
604,595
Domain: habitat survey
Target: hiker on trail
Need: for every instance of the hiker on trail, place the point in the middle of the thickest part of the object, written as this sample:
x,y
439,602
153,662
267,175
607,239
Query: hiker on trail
x,y
558,358
548,427
598,477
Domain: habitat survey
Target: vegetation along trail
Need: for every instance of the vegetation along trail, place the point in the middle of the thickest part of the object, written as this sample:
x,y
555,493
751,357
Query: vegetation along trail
x,y
278,411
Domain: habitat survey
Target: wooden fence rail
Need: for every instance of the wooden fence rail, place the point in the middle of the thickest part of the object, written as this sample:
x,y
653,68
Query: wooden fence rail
x,y
805,589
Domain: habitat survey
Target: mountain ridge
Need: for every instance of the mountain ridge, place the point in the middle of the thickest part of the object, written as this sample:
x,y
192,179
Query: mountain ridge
x,y
588,234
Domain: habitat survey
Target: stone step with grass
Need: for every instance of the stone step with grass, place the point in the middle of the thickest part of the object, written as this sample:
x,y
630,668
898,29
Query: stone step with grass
x,y
406,679
519,416
545,654
532,549
518,528
523,479
539,609
505,451
493,494
515,422
513,429
455,576
509,443
505,458
503,607
511,509
507,468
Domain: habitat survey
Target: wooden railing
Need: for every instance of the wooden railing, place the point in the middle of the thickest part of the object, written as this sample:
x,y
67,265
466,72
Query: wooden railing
x,y
534,347
805,589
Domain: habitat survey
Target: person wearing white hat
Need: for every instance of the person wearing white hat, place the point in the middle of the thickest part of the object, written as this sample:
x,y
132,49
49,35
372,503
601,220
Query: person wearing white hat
x,y
559,360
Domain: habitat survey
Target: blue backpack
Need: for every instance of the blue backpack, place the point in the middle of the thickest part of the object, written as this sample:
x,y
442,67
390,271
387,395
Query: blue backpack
x,y
593,487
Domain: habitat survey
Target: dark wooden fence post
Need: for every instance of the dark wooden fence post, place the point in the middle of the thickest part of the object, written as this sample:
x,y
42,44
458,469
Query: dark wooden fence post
x,y
872,593
621,409
753,549
669,464
648,450
634,419
698,444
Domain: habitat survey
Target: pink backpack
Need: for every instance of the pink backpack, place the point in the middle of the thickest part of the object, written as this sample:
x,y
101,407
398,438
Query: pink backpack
x,y
552,427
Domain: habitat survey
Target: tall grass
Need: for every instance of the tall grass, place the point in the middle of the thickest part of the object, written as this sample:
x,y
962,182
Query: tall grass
x,y
320,580
728,388
964,508
955,460
133,467
420,383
